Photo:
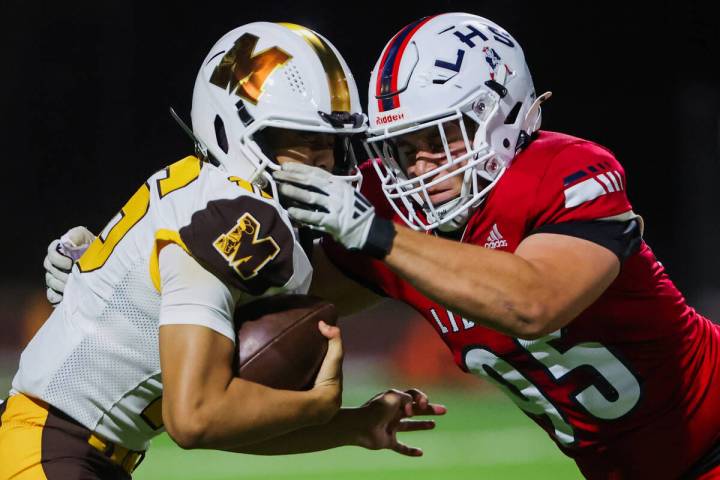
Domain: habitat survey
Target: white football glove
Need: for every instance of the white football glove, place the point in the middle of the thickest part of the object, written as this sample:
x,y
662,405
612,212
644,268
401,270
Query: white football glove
x,y
62,254
319,200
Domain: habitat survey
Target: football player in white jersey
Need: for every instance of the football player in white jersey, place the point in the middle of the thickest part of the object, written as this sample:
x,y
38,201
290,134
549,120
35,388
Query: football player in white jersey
x,y
143,339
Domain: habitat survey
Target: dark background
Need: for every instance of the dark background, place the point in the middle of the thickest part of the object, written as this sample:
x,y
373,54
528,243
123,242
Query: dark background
x,y
85,89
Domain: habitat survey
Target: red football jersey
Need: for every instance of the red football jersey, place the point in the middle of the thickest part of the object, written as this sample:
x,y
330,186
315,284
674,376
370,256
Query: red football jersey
x,y
630,388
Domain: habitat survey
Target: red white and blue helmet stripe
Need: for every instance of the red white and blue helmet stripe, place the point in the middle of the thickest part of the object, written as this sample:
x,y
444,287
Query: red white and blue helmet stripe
x,y
386,90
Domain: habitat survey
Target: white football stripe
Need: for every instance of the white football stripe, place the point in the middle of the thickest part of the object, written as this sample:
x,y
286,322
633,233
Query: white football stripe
x,y
606,181
497,232
443,328
619,178
583,192
614,181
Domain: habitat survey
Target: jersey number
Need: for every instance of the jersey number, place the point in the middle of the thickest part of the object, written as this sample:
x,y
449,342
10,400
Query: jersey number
x,y
179,175
613,393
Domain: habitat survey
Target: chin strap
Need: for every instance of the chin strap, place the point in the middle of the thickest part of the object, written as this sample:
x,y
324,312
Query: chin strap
x,y
457,222
343,119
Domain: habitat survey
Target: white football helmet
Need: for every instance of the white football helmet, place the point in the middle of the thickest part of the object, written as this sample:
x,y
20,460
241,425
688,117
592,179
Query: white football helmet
x,y
278,75
457,69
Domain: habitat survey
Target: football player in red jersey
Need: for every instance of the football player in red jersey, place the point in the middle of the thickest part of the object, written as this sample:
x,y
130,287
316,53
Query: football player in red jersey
x,y
524,254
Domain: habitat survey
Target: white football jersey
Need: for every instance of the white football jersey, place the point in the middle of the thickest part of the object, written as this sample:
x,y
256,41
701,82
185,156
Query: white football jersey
x,y
97,357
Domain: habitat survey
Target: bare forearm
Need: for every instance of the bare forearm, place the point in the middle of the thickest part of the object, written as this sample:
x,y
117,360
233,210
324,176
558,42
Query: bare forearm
x,y
498,289
241,415
342,430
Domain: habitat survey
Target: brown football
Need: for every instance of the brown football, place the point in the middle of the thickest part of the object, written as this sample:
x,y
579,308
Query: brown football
x,y
278,341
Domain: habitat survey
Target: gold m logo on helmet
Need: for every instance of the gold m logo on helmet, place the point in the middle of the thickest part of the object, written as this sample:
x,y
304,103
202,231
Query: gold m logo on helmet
x,y
244,74
243,250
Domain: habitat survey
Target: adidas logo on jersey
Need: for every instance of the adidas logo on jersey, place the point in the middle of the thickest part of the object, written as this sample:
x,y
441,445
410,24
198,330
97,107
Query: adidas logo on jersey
x,y
495,239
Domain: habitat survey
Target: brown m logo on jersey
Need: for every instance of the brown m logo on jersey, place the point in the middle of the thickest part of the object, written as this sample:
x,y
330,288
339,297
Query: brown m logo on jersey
x,y
243,241
243,73
244,251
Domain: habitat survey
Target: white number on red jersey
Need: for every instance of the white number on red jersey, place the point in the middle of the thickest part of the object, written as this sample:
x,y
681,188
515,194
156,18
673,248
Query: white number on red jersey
x,y
616,393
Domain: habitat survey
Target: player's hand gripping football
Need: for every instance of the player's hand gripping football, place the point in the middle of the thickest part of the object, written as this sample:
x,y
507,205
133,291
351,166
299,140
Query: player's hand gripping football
x,y
322,201
328,383
387,413
62,254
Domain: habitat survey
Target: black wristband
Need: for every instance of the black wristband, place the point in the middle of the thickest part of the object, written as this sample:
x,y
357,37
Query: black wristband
x,y
380,239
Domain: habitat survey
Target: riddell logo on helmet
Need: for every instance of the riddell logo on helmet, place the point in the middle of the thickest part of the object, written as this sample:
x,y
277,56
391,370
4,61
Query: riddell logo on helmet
x,y
389,118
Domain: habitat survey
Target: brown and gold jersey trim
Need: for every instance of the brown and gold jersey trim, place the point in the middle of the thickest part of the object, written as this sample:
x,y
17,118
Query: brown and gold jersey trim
x,y
178,175
21,436
250,187
163,237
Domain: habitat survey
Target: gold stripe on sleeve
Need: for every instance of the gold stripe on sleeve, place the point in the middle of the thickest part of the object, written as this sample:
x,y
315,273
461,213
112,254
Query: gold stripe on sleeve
x,y
163,237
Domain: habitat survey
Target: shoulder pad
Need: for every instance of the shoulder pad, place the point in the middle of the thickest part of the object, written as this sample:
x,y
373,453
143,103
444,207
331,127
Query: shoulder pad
x,y
243,241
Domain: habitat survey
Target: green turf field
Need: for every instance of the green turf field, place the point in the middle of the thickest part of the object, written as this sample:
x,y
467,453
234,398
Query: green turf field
x,y
483,436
